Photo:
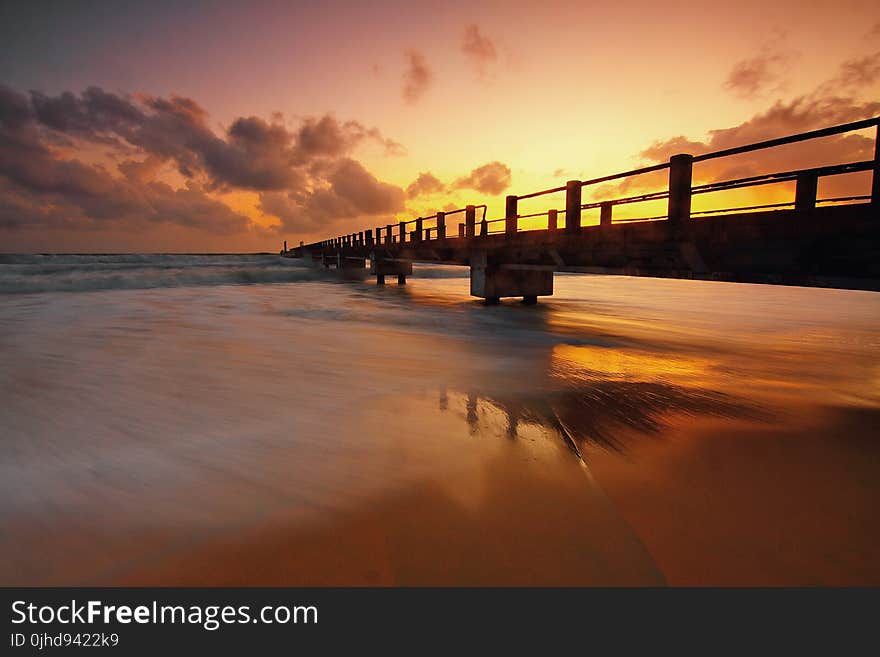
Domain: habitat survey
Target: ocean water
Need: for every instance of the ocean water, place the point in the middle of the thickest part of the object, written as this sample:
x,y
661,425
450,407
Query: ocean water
x,y
244,419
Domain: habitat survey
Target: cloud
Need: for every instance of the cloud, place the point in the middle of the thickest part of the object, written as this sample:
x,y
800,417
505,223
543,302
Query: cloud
x,y
49,178
802,114
834,101
756,75
426,183
366,194
349,191
492,178
480,50
859,72
327,137
417,78
799,115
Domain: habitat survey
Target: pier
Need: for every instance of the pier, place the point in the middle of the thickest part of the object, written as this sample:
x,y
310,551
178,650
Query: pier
x,y
809,240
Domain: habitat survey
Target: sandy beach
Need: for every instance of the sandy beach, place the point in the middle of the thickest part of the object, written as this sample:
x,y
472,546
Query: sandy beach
x,y
318,432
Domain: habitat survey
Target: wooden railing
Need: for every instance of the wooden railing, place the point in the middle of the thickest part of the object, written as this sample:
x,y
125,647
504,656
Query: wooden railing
x,y
678,194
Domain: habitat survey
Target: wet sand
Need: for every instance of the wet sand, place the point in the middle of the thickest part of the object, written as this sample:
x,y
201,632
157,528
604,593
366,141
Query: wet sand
x,y
788,505
328,433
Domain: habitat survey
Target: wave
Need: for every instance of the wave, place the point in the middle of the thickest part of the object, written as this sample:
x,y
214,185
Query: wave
x,y
22,274
35,273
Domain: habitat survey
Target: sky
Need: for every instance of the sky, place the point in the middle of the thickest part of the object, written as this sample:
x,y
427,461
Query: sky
x,y
231,126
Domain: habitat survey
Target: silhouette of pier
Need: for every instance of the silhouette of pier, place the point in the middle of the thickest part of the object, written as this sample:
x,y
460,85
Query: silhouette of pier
x,y
825,242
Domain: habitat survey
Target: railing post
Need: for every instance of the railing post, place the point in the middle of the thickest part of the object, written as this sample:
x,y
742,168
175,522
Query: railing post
x,y
388,234
573,206
369,236
875,184
510,216
680,174
605,214
484,227
552,220
805,191
402,230
361,238
419,230
470,220
441,225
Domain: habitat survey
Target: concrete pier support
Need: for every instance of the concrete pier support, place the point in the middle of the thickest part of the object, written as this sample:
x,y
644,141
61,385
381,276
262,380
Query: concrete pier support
x,y
352,269
380,268
492,282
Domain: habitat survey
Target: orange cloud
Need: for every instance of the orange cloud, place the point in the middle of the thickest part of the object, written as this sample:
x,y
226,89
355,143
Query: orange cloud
x,y
417,77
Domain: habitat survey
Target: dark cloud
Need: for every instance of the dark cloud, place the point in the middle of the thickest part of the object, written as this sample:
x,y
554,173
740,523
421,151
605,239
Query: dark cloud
x,y
366,194
15,110
480,50
859,72
426,183
492,178
417,77
348,191
327,137
39,189
95,115
309,167
756,75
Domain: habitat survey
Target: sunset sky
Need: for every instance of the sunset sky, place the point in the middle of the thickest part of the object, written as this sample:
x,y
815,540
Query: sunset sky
x,y
230,126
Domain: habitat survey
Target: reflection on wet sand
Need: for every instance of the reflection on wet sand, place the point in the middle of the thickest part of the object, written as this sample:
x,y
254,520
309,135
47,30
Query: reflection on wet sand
x,y
328,433
508,515
599,412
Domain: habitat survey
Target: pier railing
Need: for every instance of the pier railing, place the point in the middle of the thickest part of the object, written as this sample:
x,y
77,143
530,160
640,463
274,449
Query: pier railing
x,y
678,195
